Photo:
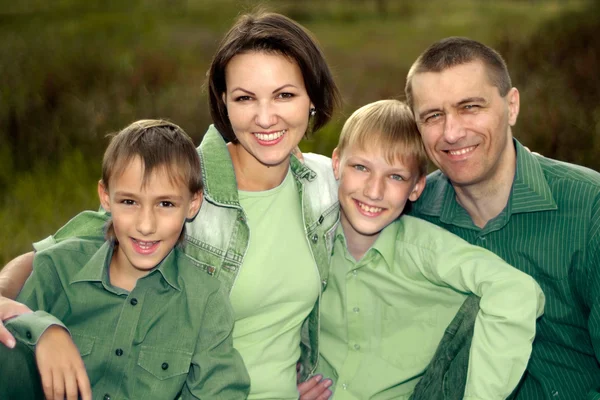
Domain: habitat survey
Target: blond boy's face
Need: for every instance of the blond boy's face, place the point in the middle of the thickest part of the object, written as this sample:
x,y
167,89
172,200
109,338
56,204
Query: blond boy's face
x,y
372,192
147,220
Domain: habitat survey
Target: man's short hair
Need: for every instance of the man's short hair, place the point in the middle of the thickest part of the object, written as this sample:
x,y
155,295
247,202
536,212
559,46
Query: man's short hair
x,y
454,51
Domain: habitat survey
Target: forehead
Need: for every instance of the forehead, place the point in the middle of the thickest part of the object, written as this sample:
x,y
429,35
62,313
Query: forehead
x,y
262,68
452,84
131,176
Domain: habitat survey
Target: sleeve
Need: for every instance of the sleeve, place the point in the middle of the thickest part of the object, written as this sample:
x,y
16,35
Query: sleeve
x,y
43,292
505,326
218,371
590,280
85,224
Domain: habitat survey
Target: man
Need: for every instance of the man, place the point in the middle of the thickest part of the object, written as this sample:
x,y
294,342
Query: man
x,y
538,214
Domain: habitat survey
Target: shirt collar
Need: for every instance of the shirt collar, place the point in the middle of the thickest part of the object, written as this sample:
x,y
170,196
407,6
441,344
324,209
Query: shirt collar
x,y
385,244
530,192
220,185
96,269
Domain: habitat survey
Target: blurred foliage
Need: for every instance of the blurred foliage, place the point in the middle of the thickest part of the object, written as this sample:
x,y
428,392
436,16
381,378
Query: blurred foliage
x,y
72,71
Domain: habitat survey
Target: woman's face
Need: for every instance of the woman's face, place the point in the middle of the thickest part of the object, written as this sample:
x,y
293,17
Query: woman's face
x,y
267,104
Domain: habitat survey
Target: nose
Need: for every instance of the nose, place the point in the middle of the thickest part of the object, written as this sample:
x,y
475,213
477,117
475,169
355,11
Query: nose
x,y
374,188
453,129
266,115
146,221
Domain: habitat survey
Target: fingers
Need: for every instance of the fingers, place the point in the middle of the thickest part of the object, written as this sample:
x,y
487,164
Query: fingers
x,y
316,388
47,384
83,382
58,387
71,386
6,338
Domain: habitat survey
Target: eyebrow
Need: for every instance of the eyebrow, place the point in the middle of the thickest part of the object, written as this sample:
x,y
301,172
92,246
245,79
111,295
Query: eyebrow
x,y
159,197
274,91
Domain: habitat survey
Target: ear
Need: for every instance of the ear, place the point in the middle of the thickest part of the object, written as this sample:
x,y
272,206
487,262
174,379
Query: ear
x,y
418,188
514,104
195,205
103,196
335,162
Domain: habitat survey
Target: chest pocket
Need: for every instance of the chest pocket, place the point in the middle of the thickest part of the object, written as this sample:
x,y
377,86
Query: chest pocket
x,y
84,343
161,371
164,364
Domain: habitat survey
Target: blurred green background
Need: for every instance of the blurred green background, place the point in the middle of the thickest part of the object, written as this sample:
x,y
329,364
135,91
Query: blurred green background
x,y
73,71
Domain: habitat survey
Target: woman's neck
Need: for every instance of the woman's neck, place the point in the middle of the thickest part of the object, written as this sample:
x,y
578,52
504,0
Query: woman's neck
x,y
251,174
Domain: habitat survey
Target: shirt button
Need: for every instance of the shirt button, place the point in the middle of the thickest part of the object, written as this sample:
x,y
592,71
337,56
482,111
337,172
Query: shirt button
x,y
555,393
107,396
356,309
133,301
344,386
28,334
164,366
355,272
315,238
119,352
357,346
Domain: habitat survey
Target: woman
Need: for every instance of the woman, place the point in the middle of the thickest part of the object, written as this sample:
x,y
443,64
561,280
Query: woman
x,y
265,226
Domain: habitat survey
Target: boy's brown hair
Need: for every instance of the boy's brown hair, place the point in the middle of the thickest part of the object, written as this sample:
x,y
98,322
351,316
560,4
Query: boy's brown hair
x,y
159,144
388,125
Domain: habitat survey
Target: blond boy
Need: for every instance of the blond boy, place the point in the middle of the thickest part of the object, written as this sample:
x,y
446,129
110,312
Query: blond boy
x,y
397,282
142,320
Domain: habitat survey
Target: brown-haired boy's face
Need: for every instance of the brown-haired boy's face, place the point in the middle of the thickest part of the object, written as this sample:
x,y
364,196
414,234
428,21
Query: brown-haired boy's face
x,y
372,192
147,217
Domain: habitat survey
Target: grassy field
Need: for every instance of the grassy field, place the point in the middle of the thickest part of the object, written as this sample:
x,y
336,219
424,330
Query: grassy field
x,y
73,71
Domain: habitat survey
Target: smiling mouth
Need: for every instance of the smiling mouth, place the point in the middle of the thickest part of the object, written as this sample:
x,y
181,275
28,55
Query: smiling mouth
x,y
269,137
461,152
145,247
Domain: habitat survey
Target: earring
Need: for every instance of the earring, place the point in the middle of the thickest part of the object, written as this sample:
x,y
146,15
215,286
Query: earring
x,y
312,112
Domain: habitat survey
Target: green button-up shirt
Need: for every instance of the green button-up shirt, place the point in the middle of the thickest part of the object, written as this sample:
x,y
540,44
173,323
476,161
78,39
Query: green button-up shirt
x,y
549,229
170,334
383,317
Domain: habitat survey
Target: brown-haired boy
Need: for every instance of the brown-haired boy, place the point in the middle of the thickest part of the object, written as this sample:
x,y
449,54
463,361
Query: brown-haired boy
x,y
397,282
144,321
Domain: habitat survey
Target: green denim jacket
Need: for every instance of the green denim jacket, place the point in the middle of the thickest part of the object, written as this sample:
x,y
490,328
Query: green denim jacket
x,y
217,239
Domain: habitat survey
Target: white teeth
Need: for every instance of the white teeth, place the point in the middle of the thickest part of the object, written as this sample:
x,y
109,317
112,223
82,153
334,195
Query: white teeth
x,y
267,137
461,151
369,208
145,245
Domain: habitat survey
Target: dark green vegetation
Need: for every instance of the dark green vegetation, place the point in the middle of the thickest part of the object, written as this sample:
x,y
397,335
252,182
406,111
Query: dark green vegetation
x,y
73,71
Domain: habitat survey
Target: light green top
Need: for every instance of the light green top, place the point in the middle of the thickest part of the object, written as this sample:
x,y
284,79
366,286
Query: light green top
x,y
275,290
172,332
549,229
383,316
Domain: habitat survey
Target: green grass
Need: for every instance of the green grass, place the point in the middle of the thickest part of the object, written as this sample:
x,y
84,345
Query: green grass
x,y
73,71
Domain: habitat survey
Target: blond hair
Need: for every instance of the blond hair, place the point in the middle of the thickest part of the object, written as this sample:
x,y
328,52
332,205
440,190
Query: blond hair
x,y
387,125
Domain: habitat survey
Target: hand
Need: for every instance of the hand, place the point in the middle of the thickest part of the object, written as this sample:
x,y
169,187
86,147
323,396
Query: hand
x,y
61,367
316,388
8,309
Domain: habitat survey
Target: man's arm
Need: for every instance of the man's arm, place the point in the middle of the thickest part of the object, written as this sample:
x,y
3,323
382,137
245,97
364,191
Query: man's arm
x,y
12,279
505,325
14,275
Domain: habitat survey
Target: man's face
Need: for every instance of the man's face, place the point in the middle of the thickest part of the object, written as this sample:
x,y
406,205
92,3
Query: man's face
x,y
464,122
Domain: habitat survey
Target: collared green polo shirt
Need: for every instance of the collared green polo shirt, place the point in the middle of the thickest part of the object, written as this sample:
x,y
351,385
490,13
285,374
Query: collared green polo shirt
x,y
549,229
170,334
382,317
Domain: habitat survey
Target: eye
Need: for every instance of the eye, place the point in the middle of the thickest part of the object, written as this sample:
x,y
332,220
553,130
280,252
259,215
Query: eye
x,y
360,167
285,95
166,203
433,117
397,177
242,98
127,202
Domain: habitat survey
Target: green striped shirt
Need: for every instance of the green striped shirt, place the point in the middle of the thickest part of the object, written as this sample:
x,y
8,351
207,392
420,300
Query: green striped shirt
x,y
550,229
